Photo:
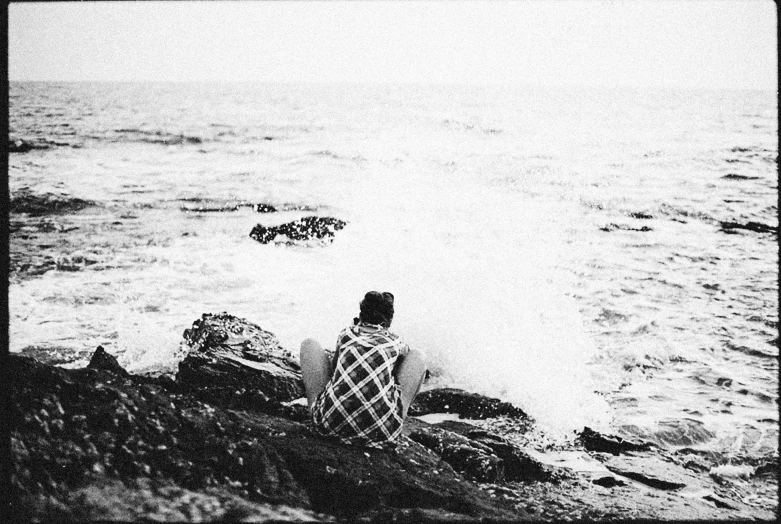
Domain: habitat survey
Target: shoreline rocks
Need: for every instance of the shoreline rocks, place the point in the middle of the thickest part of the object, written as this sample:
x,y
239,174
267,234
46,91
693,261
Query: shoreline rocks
x,y
221,442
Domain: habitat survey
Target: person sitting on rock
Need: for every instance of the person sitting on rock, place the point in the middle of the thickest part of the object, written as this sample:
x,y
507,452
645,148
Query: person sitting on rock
x,y
361,392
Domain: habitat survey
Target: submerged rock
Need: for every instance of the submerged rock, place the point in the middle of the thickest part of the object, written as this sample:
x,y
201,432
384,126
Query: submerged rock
x,y
734,176
205,206
624,227
757,227
651,471
594,441
305,228
46,204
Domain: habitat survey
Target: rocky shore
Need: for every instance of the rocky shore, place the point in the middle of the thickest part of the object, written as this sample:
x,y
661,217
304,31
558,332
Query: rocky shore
x,y
228,438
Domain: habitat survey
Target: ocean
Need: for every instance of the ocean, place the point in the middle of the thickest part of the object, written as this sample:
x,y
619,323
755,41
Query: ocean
x,y
598,257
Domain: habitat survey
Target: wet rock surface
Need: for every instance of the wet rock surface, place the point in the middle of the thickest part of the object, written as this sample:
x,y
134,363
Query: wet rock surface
x,y
306,228
594,441
99,443
235,362
465,404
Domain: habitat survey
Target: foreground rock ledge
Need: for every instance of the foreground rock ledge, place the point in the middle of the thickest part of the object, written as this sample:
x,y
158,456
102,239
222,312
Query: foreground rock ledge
x,y
221,442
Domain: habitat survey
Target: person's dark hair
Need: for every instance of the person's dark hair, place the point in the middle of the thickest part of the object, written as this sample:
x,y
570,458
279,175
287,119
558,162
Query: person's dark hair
x,y
377,308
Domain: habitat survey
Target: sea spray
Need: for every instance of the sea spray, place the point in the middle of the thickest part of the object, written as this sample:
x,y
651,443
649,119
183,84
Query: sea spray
x,y
476,289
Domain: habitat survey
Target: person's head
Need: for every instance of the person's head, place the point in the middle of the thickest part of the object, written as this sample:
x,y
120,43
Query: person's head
x,y
377,308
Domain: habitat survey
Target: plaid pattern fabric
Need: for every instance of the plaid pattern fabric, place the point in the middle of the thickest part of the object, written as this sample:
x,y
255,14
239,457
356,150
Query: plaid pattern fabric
x,y
361,404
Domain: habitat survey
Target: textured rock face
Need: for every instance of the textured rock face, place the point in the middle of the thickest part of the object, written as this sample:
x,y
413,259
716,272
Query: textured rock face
x,y
478,454
86,429
476,461
230,357
100,443
306,228
465,404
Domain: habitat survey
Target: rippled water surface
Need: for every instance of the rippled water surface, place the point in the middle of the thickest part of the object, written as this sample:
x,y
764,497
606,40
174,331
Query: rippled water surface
x,y
573,251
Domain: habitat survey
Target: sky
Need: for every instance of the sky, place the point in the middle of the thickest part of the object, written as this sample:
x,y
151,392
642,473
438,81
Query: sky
x,y
678,44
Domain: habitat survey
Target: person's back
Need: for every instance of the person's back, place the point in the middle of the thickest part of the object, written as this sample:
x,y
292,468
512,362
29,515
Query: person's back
x,y
362,392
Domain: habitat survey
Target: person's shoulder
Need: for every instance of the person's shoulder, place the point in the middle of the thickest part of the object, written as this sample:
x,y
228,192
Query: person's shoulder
x,y
396,340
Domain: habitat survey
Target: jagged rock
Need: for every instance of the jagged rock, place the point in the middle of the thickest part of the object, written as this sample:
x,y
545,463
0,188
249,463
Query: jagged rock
x,y
232,360
72,429
719,502
465,404
103,361
594,441
758,227
517,464
475,460
46,204
305,228
768,467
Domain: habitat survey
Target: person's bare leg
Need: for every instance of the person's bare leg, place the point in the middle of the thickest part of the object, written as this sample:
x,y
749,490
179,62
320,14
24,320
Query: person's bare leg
x,y
410,374
315,369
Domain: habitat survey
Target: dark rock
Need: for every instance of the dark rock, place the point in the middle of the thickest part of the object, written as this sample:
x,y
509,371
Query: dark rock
x,y
518,465
719,502
211,206
767,468
608,482
757,227
733,176
651,471
24,146
624,227
476,461
265,208
211,209
594,441
46,204
305,228
103,361
696,465
465,404
642,216
113,431
235,361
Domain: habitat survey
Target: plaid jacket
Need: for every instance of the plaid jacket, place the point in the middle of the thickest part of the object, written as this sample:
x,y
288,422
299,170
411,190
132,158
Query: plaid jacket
x,y
361,404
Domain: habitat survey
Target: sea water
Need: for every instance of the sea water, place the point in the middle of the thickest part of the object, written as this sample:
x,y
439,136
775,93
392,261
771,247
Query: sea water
x,y
561,249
